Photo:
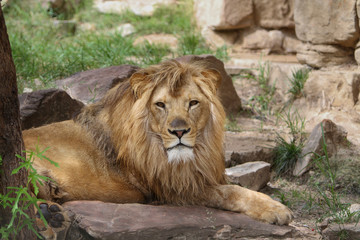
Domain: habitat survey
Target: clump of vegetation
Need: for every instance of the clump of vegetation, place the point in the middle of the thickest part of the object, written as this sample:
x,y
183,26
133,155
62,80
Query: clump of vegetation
x,y
288,151
262,102
44,52
332,203
297,81
322,197
232,125
19,199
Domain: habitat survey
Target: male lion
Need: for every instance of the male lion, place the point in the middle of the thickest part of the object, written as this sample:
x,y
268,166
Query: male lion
x,y
157,136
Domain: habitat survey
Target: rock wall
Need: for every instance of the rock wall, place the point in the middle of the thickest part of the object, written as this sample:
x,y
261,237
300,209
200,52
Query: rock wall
x,y
330,29
321,32
248,25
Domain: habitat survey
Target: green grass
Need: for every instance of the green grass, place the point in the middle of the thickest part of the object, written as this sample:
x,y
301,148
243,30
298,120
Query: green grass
x,y
297,81
19,199
232,125
286,155
322,197
286,151
332,205
44,52
263,101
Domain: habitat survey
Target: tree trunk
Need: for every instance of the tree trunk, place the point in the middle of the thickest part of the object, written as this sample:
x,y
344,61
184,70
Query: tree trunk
x,y
11,141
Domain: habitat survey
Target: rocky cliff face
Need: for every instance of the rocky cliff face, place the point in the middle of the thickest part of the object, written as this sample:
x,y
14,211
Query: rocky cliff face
x,y
321,32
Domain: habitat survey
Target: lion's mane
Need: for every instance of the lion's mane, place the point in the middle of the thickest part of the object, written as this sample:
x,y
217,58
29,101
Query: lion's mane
x,y
119,123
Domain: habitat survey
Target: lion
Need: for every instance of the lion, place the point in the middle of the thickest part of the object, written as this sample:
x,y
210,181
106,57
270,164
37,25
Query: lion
x,y
157,136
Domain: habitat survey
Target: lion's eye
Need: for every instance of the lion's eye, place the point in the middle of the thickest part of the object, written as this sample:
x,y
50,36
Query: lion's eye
x,y
160,104
193,103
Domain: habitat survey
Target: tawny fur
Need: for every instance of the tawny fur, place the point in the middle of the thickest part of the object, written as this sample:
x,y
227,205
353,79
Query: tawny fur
x,y
116,150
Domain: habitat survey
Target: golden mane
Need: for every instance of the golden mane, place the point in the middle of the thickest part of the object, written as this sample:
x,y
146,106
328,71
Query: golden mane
x,y
119,123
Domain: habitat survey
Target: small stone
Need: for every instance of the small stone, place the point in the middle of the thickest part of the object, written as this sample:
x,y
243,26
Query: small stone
x,y
37,82
141,8
224,233
354,208
87,27
160,39
125,29
115,7
27,90
253,175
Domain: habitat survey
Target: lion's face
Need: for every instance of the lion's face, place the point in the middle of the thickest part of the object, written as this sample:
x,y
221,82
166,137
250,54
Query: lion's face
x,y
179,119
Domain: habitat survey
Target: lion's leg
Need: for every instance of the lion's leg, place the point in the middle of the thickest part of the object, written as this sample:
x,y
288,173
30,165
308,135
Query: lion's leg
x,y
58,222
254,204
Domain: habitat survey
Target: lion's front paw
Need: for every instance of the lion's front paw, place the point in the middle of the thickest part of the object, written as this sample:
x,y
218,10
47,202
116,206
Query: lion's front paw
x,y
57,219
275,213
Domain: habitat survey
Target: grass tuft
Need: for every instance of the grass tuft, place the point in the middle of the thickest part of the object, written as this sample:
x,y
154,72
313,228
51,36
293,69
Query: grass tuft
x,y
263,101
297,82
288,151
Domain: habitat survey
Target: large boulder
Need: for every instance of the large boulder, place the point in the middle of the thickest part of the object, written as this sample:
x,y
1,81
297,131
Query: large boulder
x,y
257,39
334,137
226,92
319,56
327,22
217,39
46,106
224,14
98,220
90,86
274,14
332,93
325,89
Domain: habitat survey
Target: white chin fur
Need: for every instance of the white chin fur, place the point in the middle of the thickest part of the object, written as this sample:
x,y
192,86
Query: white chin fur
x,y
179,154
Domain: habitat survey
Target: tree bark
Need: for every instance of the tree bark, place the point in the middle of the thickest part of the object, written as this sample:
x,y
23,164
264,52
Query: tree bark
x,y
11,141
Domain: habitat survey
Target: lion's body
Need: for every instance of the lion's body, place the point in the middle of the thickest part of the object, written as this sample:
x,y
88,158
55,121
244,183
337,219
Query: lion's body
x,y
157,136
82,173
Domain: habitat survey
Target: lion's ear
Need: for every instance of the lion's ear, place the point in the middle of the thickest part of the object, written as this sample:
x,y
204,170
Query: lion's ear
x,y
214,78
139,82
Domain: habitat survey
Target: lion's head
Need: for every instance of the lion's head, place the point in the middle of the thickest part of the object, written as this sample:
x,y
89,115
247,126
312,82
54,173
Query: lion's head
x,y
166,125
180,105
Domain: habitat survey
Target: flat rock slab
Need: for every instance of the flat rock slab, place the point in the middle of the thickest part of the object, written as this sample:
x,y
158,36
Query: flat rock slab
x,y
246,147
98,220
253,175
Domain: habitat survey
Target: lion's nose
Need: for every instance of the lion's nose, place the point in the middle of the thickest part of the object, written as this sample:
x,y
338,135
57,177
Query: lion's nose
x,y
179,133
